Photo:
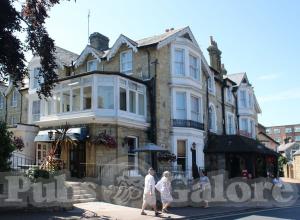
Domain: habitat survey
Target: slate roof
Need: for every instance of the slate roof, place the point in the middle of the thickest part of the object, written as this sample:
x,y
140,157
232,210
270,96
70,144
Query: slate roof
x,y
65,56
236,144
236,77
157,38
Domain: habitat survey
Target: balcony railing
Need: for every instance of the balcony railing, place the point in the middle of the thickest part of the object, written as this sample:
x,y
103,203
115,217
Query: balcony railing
x,y
187,124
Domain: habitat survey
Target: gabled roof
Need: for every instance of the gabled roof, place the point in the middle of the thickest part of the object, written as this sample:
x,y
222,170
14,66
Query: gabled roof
x,y
158,38
267,136
89,50
121,40
237,77
64,56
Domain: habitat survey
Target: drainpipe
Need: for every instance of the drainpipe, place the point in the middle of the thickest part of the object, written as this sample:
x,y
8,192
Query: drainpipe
x,y
207,106
6,98
154,118
223,107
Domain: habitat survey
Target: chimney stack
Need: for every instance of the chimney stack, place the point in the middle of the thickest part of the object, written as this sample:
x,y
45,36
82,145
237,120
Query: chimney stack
x,y
215,55
99,41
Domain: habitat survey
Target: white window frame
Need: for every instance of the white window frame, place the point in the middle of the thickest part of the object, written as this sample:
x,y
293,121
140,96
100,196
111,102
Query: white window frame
x,y
186,153
185,107
14,99
229,114
214,115
211,84
95,62
199,113
296,129
229,95
127,71
275,131
246,129
288,130
296,138
35,117
195,68
182,63
134,172
242,103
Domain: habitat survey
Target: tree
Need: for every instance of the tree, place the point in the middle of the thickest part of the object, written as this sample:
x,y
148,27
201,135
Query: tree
x,y
6,147
30,20
281,162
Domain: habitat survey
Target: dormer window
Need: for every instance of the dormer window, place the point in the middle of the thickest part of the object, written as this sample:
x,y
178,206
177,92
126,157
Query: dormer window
x,y
126,62
91,65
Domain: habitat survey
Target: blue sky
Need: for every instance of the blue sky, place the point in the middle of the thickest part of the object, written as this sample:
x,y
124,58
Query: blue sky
x,y
257,37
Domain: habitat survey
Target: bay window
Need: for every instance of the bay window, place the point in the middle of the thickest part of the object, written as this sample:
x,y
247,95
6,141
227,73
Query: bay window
x,y
195,109
123,99
66,105
141,104
105,97
126,62
36,108
179,62
76,99
244,124
194,67
181,105
243,101
87,98
132,101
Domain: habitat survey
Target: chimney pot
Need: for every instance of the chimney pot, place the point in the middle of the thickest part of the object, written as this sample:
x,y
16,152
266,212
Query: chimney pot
x,y
167,30
172,29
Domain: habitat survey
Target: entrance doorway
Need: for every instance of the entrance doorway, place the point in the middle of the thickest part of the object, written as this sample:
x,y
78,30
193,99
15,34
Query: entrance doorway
x,y
77,160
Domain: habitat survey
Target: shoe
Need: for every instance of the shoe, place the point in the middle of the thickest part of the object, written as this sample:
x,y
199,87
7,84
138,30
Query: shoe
x,y
157,213
143,213
165,211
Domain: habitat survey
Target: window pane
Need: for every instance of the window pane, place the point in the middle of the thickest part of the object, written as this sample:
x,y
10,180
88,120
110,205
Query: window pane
x,y
179,62
36,110
87,98
57,100
132,101
297,129
243,99
106,97
195,109
76,100
66,101
194,68
126,62
141,104
181,105
123,101
92,65
181,154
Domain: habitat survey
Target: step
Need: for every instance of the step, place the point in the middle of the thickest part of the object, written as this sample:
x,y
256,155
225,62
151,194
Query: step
x,y
84,200
88,196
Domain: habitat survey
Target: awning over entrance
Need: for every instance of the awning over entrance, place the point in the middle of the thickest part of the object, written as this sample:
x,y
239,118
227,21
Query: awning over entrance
x,y
76,134
236,144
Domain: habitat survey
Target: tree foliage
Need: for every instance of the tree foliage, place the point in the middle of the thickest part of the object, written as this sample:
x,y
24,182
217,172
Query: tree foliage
x,y
30,20
6,147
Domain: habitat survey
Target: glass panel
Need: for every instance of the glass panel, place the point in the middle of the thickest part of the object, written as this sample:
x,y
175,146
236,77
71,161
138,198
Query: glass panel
x,y
87,98
141,104
57,100
126,62
36,107
195,109
179,62
194,69
91,65
132,101
181,154
66,101
76,99
181,105
106,97
123,101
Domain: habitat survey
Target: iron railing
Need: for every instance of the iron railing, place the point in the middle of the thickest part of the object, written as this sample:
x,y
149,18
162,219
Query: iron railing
x,y
188,124
21,163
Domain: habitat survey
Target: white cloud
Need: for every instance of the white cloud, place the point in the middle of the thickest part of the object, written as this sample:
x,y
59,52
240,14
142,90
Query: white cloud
x,y
283,95
268,77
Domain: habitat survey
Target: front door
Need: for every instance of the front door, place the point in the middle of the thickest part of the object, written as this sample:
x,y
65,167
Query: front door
x,y
77,160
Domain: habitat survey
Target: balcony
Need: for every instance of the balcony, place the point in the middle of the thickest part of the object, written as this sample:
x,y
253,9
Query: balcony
x,y
187,124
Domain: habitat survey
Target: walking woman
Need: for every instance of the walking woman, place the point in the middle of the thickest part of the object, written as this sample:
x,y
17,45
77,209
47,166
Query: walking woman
x,y
205,187
164,187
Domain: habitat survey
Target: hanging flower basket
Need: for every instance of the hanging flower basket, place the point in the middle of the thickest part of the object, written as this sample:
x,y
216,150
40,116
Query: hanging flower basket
x,y
105,139
167,157
18,143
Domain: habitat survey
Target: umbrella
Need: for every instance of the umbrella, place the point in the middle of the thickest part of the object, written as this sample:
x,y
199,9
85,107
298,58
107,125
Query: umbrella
x,y
150,147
